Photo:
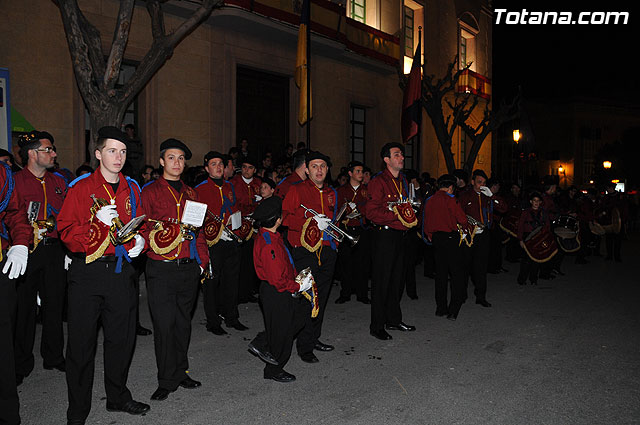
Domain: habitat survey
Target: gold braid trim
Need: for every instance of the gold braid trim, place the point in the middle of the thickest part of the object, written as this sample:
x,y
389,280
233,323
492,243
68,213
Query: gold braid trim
x,y
405,223
99,252
215,240
158,250
304,243
544,260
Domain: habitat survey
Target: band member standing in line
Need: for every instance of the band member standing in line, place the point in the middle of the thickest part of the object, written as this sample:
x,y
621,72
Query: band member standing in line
x,y
354,260
224,250
284,316
13,262
312,246
100,278
388,250
531,219
441,217
299,174
45,275
177,257
477,202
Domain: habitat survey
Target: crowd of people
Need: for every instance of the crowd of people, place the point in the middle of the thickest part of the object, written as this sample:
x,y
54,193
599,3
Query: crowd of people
x,y
244,227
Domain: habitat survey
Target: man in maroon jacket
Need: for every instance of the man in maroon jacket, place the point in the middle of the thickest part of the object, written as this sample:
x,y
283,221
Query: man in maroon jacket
x,y
388,248
13,263
441,217
45,275
531,218
299,174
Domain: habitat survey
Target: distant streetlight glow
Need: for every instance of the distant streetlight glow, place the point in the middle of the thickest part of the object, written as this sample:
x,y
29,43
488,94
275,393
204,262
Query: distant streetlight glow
x,y
606,164
561,169
615,181
516,136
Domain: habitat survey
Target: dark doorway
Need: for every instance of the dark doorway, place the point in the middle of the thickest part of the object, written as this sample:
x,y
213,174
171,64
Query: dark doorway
x,y
262,110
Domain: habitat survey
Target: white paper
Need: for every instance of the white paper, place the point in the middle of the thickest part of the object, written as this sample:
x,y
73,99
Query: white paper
x,y
194,213
33,211
236,220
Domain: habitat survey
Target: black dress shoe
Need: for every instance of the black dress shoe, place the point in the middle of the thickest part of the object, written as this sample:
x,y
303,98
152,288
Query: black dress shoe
x,y
483,303
190,383
132,407
142,331
237,326
323,347
381,334
413,297
75,422
365,300
252,299
452,316
160,394
282,377
60,366
265,356
401,327
19,380
441,313
216,330
342,300
309,358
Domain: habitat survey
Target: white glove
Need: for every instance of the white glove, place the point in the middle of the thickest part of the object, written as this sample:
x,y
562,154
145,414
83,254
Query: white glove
x,y
486,191
138,247
479,230
352,205
201,269
225,237
41,233
67,262
258,198
236,220
306,283
106,214
322,220
16,261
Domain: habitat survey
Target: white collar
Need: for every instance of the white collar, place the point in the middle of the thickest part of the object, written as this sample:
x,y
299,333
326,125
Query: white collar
x,y
247,181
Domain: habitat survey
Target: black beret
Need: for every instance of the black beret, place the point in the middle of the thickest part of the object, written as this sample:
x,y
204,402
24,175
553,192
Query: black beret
x,y
4,152
34,136
311,155
111,132
249,159
214,154
268,181
386,149
446,180
268,209
176,144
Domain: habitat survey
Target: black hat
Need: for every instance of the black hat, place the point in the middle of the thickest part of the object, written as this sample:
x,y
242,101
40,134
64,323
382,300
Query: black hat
x,y
311,155
268,181
176,144
249,159
111,132
34,136
214,154
446,180
268,209
4,152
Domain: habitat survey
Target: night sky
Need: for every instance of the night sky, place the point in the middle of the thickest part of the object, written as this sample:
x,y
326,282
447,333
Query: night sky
x,y
554,61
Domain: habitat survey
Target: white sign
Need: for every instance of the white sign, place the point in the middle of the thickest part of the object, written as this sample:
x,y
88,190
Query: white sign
x,y
194,213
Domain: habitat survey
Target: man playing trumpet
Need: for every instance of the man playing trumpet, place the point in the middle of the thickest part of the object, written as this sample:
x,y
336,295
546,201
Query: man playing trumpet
x,y
43,193
311,243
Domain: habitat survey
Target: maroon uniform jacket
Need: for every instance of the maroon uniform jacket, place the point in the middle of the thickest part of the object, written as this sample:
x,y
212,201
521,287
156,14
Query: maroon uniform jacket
x,y
322,201
550,206
160,202
384,188
531,219
477,205
49,191
221,200
245,193
74,219
442,213
13,212
346,193
284,186
273,262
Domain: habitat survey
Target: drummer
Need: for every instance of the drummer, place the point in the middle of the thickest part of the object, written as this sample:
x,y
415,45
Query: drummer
x,y
531,218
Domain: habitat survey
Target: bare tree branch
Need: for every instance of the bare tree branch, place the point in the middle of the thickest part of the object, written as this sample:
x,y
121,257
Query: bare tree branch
x,y
157,19
119,43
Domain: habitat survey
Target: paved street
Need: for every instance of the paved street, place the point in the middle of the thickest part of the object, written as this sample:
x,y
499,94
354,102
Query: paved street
x,y
563,352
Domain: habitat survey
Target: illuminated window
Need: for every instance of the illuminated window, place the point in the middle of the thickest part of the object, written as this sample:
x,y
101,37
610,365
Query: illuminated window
x,y
468,30
358,10
357,121
408,32
413,19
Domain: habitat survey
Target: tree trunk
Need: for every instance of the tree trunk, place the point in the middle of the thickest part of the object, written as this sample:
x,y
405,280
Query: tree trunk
x,y
111,115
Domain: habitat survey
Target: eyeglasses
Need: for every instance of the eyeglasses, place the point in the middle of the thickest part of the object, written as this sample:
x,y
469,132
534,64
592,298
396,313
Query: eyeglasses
x,y
48,149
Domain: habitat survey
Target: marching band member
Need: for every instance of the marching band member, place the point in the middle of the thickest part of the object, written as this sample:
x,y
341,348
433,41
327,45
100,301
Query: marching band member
x,y
354,260
388,234
549,189
176,259
311,245
284,316
45,192
299,174
100,278
222,290
441,217
13,261
267,188
477,202
531,218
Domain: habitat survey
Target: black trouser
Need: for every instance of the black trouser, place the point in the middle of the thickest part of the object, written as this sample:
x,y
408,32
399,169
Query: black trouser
x,y
139,264
9,403
412,246
98,294
354,261
585,240
614,243
513,249
528,270
221,292
172,290
476,260
386,277
247,280
45,275
448,253
284,317
428,257
323,275
496,235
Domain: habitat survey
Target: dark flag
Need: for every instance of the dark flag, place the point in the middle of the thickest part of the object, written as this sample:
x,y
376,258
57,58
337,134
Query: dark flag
x,y
411,104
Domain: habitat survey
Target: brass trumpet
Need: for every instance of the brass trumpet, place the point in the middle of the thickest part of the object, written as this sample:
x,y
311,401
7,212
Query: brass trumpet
x,y
49,223
225,229
334,231
184,228
116,223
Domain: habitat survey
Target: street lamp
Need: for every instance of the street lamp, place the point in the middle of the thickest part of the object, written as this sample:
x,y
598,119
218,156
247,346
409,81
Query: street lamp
x,y
516,135
561,169
606,164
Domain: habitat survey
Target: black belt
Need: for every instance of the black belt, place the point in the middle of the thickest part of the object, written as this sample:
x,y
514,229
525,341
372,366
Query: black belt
x,y
353,228
179,261
49,241
103,259
387,228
